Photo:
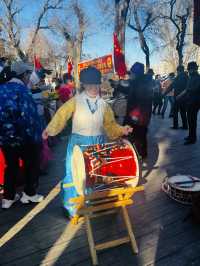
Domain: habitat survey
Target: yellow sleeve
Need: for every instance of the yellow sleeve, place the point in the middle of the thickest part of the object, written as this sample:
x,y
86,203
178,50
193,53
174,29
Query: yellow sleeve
x,y
61,117
111,127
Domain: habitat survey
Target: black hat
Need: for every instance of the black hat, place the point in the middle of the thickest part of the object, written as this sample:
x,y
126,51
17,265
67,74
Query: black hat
x,y
90,75
137,68
192,65
150,71
3,59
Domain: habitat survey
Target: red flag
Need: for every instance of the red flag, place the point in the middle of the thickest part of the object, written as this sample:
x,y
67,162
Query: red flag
x,y
196,25
37,63
69,66
2,167
119,59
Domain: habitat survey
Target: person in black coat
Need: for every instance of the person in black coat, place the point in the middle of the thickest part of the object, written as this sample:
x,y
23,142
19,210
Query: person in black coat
x,y
193,102
157,95
139,106
192,96
179,85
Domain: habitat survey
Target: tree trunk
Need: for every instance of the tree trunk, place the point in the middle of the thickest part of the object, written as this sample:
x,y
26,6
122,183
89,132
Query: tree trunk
x,y
121,10
20,54
142,40
75,51
182,37
147,61
180,56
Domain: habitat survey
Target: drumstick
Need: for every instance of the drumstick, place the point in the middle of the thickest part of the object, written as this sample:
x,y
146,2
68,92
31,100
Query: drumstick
x,y
122,179
187,182
122,176
105,185
109,143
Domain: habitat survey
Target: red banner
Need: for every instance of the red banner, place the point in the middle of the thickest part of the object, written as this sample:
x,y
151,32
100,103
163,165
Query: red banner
x,y
196,25
69,66
103,64
37,63
119,59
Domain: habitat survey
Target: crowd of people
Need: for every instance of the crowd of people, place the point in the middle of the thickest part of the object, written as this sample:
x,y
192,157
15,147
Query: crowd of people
x,y
28,121
24,113
183,92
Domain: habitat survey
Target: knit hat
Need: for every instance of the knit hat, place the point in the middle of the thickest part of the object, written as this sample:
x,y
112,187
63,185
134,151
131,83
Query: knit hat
x,y
192,65
90,75
137,68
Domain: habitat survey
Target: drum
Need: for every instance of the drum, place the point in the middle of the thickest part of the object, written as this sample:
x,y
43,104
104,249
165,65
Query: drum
x,y
181,188
105,166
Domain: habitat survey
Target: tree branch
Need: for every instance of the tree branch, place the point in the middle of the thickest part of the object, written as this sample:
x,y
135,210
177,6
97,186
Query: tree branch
x,y
132,27
12,27
46,7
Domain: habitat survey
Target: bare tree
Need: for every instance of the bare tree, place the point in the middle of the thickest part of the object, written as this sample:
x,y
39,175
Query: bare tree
x,y
141,26
179,19
40,25
74,37
43,45
11,25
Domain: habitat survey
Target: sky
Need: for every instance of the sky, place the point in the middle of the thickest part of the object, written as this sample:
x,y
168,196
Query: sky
x,y
99,42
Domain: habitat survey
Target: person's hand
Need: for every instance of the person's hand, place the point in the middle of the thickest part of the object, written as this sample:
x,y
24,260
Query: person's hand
x,y
45,134
127,130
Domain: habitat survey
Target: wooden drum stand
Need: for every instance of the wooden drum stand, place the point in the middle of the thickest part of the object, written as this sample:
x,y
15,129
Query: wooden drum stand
x,y
101,203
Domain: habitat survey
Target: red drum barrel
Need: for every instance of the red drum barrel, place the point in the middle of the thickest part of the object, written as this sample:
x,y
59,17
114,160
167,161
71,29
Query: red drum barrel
x,y
105,166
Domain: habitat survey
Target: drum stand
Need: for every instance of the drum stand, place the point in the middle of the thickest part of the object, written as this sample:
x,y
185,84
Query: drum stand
x,y
101,203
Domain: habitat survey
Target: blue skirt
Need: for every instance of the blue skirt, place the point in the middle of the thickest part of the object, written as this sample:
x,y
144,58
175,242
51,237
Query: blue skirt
x,y
68,191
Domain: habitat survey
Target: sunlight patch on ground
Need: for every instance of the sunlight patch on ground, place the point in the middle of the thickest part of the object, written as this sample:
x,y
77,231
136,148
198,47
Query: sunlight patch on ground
x,y
149,247
26,219
54,253
163,147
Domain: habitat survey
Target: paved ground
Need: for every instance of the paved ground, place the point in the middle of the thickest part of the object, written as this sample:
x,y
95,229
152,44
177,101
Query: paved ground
x,y
40,235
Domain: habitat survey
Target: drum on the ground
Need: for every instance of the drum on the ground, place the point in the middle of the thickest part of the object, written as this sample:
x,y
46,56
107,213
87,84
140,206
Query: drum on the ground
x,y
105,166
181,188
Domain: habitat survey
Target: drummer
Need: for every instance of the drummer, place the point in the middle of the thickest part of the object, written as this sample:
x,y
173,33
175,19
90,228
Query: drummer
x,y
91,117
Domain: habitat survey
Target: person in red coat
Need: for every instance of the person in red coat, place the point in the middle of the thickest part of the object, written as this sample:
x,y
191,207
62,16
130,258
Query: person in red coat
x,y
66,90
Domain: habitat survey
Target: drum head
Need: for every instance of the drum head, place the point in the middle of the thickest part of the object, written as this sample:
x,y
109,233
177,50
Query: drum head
x,y
134,181
184,182
78,170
